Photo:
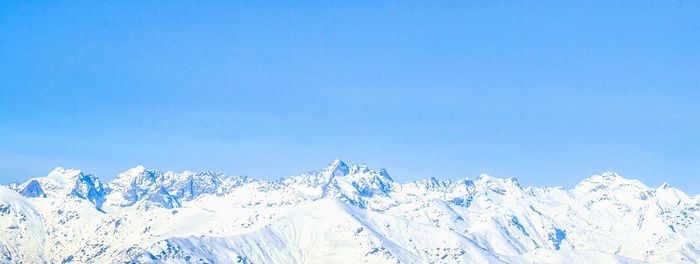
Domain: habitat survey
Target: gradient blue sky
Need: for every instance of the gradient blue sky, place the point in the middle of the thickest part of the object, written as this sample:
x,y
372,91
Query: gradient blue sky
x,y
548,92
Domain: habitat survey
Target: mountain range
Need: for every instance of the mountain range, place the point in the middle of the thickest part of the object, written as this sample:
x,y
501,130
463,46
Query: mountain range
x,y
344,213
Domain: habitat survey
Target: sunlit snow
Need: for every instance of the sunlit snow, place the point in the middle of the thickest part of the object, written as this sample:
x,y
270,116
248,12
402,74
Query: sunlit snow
x,y
341,214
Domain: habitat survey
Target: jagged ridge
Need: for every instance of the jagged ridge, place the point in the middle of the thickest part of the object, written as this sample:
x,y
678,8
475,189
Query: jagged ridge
x,y
149,215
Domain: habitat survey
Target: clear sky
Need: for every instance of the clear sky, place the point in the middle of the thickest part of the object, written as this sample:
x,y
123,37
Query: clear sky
x,y
550,92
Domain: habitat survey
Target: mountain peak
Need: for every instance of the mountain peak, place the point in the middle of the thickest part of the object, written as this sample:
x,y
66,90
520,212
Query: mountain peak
x,y
501,186
338,163
337,169
62,181
609,178
137,169
610,181
610,175
135,174
62,175
485,178
32,188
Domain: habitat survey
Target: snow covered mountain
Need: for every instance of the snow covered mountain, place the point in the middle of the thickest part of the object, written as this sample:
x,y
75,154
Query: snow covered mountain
x,y
341,214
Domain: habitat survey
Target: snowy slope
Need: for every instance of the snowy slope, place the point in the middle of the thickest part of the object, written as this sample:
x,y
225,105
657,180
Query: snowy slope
x,y
343,213
22,235
329,230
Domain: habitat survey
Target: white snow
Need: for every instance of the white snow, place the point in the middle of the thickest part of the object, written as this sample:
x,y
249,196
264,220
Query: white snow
x,y
344,213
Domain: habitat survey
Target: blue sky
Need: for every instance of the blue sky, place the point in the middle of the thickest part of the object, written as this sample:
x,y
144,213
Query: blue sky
x,y
548,92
